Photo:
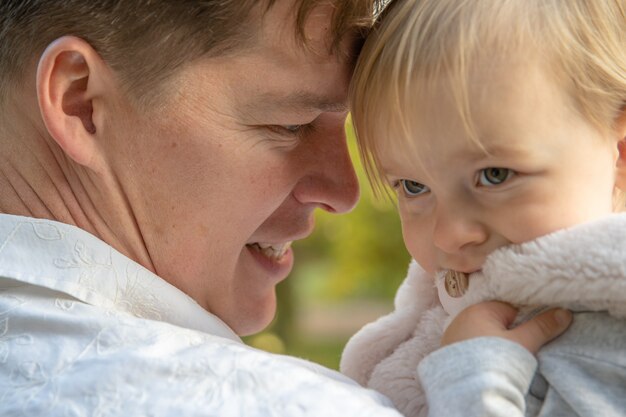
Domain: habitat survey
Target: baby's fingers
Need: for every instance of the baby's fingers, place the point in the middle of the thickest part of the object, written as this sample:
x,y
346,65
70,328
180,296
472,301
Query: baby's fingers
x,y
494,318
541,329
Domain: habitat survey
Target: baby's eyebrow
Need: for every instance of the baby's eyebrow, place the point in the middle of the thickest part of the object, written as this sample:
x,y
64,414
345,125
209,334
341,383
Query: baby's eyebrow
x,y
475,152
507,150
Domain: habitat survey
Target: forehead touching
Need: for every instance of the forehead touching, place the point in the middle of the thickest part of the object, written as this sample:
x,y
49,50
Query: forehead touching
x,y
421,42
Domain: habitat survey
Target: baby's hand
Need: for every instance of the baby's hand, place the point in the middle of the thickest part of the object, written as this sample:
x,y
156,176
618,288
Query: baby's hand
x,y
492,318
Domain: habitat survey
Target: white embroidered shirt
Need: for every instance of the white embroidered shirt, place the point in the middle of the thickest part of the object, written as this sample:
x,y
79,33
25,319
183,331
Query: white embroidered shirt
x,y
85,331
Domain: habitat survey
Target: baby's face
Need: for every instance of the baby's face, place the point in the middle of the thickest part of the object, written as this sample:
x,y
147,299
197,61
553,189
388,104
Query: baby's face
x,y
546,168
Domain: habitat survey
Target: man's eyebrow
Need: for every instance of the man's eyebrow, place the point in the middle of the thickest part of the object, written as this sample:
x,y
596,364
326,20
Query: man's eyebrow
x,y
298,100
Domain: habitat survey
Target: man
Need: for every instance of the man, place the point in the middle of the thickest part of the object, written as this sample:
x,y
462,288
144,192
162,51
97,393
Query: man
x,y
157,160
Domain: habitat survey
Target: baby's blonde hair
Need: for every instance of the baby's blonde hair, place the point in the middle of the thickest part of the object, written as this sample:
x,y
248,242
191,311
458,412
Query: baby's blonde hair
x,y
582,41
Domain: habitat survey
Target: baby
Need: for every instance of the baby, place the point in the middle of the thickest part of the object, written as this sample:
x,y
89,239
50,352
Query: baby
x,y
501,126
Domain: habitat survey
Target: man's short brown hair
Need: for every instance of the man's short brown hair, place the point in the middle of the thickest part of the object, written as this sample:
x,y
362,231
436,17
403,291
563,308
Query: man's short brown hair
x,y
144,41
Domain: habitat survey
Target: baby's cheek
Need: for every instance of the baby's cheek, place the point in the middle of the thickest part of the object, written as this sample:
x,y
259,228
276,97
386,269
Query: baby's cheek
x,y
422,252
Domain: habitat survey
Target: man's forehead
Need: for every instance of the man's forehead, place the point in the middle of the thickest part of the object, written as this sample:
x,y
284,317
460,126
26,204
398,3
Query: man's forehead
x,y
311,34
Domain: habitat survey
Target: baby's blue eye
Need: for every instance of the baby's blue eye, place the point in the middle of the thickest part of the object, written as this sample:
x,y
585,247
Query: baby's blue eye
x,y
494,176
413,188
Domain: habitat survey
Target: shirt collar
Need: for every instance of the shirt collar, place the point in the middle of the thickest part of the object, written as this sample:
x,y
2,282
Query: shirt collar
x,y
68,259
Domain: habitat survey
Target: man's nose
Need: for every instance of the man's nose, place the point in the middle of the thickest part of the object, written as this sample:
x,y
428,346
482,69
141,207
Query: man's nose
x,y
329,179
455,229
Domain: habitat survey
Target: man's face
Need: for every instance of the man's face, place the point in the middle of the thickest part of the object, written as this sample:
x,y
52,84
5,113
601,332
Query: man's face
x,y
231,167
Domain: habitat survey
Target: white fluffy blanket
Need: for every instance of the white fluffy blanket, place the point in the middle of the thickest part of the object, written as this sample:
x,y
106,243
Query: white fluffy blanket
x,y
581,268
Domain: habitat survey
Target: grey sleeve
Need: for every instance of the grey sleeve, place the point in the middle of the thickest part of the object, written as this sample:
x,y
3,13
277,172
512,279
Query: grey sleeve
x,y
486,376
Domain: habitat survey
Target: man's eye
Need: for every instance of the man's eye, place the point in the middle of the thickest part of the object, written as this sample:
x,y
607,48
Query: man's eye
x,y
289,130
489,177
413,188
293,128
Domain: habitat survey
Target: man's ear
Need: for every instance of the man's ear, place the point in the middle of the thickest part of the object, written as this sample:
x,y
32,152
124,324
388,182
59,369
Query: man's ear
x,y
620,164
69,81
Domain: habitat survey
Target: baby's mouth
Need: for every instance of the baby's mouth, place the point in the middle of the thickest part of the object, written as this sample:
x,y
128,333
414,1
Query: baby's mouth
x,y
274,251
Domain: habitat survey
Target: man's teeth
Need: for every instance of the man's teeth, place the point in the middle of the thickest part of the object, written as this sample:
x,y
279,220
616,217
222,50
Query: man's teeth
x,y
272,250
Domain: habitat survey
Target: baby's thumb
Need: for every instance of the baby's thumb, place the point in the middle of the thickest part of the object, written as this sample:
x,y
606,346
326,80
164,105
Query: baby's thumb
x,y
542,328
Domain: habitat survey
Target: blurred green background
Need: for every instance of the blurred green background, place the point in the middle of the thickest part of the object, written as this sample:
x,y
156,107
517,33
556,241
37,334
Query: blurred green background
x,y
346,274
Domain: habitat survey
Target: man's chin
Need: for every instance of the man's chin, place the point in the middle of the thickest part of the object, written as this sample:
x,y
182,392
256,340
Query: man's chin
x,y
253,318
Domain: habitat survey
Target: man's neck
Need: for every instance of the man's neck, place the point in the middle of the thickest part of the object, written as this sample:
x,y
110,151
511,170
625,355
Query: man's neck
x,y
37,179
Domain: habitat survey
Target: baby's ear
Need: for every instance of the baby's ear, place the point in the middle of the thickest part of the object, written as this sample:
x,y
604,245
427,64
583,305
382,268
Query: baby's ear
x,y
620,164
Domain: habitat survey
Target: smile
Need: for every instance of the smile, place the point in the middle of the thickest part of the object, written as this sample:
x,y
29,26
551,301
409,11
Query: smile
x,y
274,251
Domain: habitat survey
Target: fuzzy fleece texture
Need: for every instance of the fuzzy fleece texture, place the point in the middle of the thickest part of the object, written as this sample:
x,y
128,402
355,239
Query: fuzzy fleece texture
x,y
582,268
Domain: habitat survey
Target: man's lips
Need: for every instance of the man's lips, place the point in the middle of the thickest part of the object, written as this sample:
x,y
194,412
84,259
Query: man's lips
x,y
276,258
274,251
